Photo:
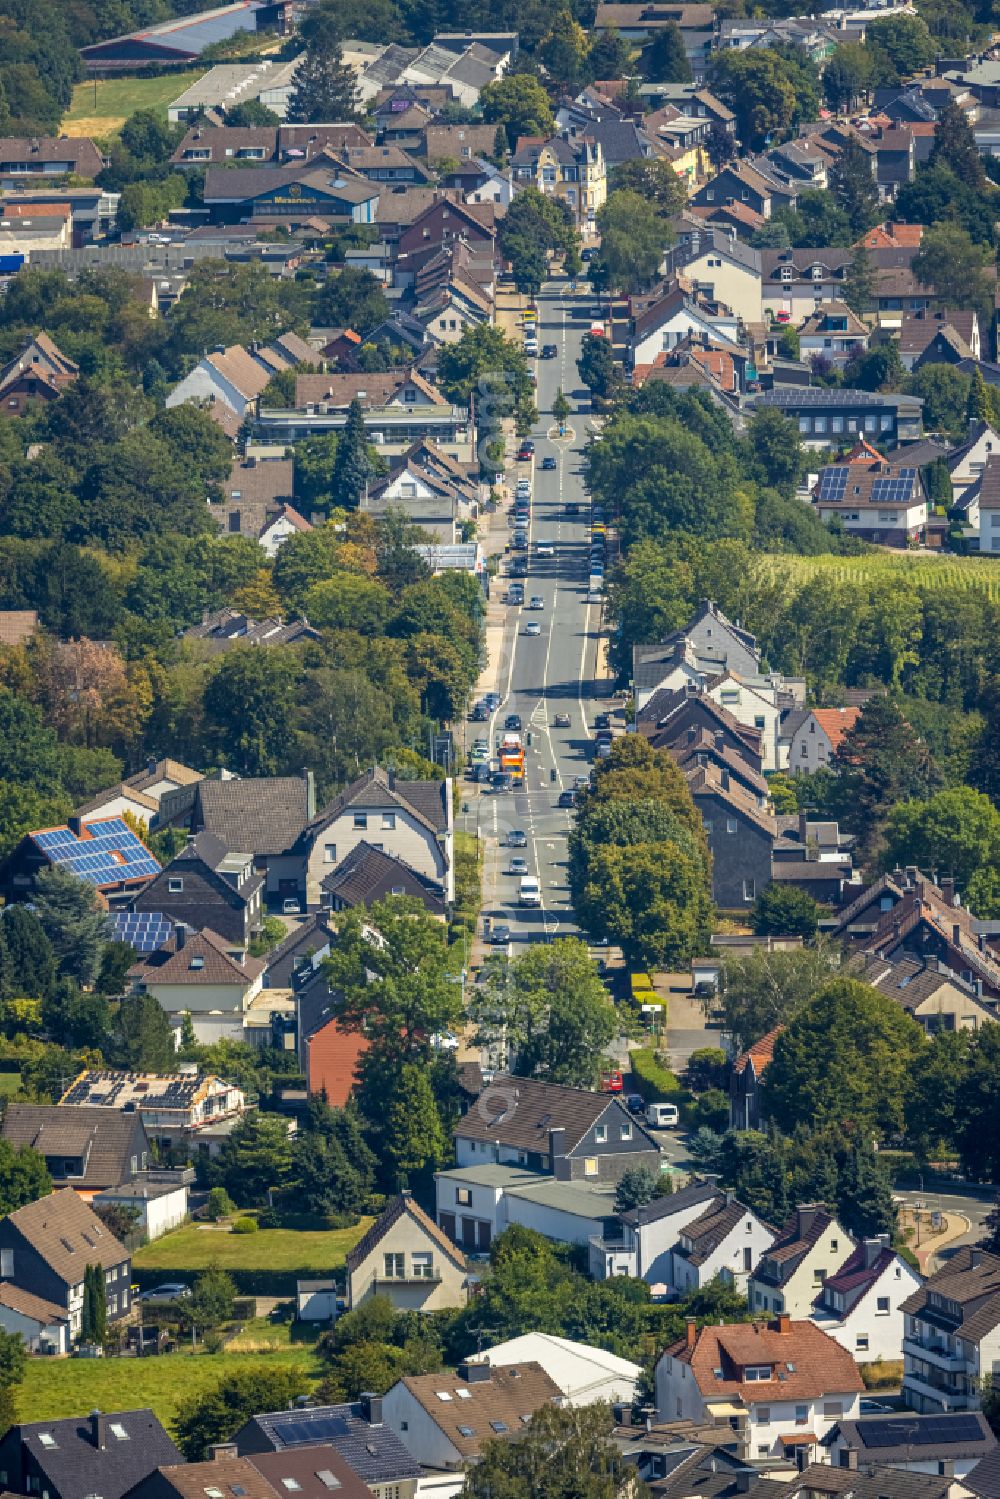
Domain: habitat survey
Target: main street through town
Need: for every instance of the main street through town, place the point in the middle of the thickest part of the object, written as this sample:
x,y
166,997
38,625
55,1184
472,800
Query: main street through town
x,y
553,672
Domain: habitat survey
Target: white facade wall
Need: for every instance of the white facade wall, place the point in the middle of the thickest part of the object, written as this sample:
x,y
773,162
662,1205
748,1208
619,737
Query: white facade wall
x,y
414,1427
554,1223
754,711
205,383
748,1241
867,1331
36,1335
797,1295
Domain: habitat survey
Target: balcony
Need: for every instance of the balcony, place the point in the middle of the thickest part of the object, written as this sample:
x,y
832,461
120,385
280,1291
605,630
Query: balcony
x,y
937,1354
408,1280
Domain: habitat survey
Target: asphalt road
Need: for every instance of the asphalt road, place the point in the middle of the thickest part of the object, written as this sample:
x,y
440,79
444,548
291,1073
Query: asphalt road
x,y
553,673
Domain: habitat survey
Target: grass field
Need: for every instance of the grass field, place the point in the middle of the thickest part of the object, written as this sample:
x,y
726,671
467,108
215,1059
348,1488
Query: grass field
x,y
66,1387
920,569
271,1249
117,98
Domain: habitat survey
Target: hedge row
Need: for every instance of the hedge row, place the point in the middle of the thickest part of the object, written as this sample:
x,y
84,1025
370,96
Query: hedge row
x,y
248,1282
656,1083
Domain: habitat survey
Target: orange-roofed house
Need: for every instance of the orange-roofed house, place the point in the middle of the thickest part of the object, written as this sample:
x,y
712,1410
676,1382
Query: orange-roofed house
x,y
782,1385
891,236
818,737
745,1079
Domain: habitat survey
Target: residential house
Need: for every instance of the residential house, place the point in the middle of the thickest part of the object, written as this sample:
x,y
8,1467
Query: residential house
x,y
702,748
818,736
290,197
989,506
104,1453
568,167
257,502
426,501
895,159
206,885
42,1326
261,815
951,1337
872,1482
968,461
174,1107
39,372
906,915
400,408
311,1472
567,1133
155,1206
720,268
386,163
883,504
638,21
585,1375
87,1149
224,628
813,854
808,1248
412,820
356,1430
947,1445
756,701
984,1479
671,719
783,1383
406,1257
461,143
718,645
203,978
328,1054
217,145
830,417
746,1082
368,874
102,851
740,829
929,994
449,309
158,794
726,1240
666,318
444,1419
741,183
795,282
234,376
473,1201
26,159
834,333
45,1249
567,1212
442,219
860,1303
941,337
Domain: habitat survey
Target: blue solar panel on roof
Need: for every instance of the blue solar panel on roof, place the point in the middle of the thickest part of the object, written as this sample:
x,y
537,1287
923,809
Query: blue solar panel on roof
x,y
920,1431
144,931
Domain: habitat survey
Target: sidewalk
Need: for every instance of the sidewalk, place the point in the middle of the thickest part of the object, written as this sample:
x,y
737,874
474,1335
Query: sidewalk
x,y
952,1226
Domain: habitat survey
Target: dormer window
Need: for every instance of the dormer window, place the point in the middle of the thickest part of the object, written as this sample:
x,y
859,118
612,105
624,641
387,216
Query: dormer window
x,y
755,1372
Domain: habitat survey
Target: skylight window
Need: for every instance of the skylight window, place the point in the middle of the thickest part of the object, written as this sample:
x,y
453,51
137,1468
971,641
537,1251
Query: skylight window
x,y
47,1439
499,1426
327,1479
442,1394
291,1484
464,1394
118,1431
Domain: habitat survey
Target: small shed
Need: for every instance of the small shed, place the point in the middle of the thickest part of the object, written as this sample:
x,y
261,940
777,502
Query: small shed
x,y
43,1326
316,1300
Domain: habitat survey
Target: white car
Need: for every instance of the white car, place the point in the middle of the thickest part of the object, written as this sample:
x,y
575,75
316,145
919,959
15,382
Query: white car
x,y
518,866
536,602
533,628
544,549
444,1041
290,906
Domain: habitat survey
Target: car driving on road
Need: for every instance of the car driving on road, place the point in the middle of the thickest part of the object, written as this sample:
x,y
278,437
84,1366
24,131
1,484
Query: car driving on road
x,y
533,628
517,839
567,799
500,935
549,463
561,721
512,721
517,866
544,549
536,602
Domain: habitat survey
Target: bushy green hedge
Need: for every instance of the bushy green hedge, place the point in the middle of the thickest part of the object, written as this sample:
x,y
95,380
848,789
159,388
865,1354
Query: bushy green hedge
x,y
656,1083
248,1282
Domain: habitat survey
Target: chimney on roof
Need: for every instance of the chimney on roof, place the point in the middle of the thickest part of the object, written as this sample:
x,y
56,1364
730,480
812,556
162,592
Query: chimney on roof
x,y
725,780
475,1373
948,890
391,778
872,1248
802,828
310,781
151,765
956,935
98,1430
691,1336
75,825
219,1451
784,1323
371,1408
720,740
180,935
744,1478
805,1216
849,1459
557,1149
692,734
801,1457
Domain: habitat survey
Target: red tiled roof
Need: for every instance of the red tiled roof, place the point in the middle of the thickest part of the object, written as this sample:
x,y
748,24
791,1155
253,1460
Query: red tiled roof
x,y
810,1364
761,1052
836,722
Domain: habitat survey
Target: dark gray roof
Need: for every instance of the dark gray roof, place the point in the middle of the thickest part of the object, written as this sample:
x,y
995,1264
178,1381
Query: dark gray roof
x,y
984,1479
77,1468
874,1483
905,1437
104,1139
709,1472
369,874
971,1281
712,1228
375,1452
815,395
258,815
426,800
520,1112
692,1195
307,937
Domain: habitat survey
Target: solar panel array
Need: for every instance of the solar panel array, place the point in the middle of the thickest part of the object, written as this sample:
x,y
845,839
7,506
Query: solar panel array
x,y
320,1429
920,1431
109,855
144,931
896,490
833,483
819,395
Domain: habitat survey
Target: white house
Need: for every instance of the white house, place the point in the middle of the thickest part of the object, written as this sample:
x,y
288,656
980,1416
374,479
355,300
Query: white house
x,y
860,1304
159,1206
782,1384
951,1333
833,332
756,706
443,1419
727,1240
989,507
968,462
722,269
585,1375
816,739
412,820
810,1246
233,376
638,1242
204,977
44,1327
661,326
475,1203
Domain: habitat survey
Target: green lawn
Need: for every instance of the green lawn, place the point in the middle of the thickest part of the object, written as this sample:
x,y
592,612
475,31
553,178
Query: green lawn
x,y
103,112
67,1387
271,1249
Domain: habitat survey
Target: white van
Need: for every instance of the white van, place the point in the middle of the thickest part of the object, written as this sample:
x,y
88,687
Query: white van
x,y
530,891
663,1115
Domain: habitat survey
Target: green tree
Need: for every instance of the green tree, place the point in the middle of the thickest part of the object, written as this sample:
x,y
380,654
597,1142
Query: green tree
x,y
949,261
352,470
901,46
768,91
143,1040
766,989
785,911
74,923
944,391
879,763
24,1177
561,408
633,240
565,52
860,282
351,298
246,708
94,1316
852,183
610,54
932,1108
27,960
325,87
955,832
654,180
978,1108
955,147
214,1415
846,1056
212,1298
533,226
481,352
596,365
520,104
664,59
256,1158
253,115
817,219
564,1454
551,1012
865,1202
636,1186
414,1141
847,74
778,455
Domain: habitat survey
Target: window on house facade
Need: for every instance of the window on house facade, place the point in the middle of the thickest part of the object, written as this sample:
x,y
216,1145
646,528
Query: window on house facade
x,y
395,1266
463,1196
361,821
6,1263
861,1343
749,890
882,1306
754,1372
801,1415
330,853
590,1165
600,1133
732,826
626,1132
423,1264
388,820
175,884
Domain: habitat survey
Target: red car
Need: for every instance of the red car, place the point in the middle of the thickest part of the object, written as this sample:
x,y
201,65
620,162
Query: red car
x,y
611,1082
